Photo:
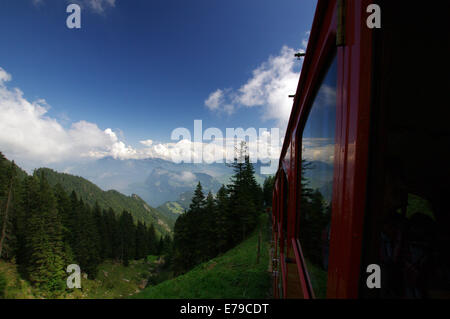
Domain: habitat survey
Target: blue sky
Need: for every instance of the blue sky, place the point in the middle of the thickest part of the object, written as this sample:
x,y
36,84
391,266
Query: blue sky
x,y
143,68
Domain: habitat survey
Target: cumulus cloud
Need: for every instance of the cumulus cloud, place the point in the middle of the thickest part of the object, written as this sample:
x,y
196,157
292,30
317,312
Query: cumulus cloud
x,y
29,134
148,143
269,88
4,76
33,138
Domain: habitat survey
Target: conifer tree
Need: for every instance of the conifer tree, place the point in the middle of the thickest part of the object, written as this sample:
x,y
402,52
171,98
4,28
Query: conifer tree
x,y
44,241
151,241
7,238
198,201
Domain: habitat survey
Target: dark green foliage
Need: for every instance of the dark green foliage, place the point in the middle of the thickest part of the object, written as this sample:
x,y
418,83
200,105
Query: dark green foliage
x,y
127,236
151,241
92,194
213,225
44,241
46,229
268,190
8,177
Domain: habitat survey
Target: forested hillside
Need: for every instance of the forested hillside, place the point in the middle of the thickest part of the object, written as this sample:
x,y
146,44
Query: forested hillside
x,y
214,224
43,229
91,194
172,210
237,274
50,220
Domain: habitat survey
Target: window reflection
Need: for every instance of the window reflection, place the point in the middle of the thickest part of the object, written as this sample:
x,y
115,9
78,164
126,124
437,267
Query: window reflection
x,y
317,166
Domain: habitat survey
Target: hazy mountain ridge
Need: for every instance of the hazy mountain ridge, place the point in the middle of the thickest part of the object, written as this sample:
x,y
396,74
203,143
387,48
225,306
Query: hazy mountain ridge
x,y
91,193
156,181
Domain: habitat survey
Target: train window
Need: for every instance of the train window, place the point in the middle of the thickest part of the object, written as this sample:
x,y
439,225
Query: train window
x,y
317,167
285,209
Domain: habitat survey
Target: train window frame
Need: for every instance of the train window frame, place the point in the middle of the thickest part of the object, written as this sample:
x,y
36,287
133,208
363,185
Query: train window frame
x,y
352,134
328,60
324,46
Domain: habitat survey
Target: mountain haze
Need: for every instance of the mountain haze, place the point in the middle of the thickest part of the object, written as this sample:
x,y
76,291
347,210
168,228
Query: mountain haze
x,y
91,193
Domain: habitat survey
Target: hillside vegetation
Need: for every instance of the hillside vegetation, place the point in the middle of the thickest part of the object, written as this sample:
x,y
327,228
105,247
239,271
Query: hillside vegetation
x,y
91,193
43,229
233,275
171,210
114,281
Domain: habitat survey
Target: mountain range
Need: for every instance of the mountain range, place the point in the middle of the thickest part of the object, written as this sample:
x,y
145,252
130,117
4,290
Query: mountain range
x,y
156,181
91,194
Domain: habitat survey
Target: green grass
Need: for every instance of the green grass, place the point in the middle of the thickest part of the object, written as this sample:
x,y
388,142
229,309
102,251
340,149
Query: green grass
x,y
114,281
14,287
319,278
172,210
234,275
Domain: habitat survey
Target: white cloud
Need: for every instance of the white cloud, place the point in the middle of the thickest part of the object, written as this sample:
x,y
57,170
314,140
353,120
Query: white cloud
x,y
32,138
99,6
221,101
318,150
185,177
269,88
28,134
148,143
4,76
214,100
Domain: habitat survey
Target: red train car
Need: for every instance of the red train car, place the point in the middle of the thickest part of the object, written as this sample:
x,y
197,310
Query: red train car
x,y
361,198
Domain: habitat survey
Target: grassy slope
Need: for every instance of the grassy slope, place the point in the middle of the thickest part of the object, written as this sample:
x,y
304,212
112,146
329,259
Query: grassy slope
x,y
232,275
113,281
117,201
16,287
172,210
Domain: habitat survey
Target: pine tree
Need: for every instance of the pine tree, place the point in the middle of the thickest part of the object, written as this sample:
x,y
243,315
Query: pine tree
x,y
198,201
127,233
141,242
87,250
151,241
223,224
208,232
268,190
7,238
45,242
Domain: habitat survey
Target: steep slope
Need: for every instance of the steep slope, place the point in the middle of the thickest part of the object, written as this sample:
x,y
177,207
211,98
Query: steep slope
x,y
234,275
171,210
164,185
155,180
91,193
